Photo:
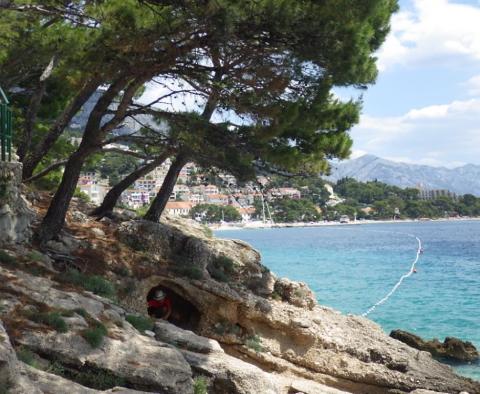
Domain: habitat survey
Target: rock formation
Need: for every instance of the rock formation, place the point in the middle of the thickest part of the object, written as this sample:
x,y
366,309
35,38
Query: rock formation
x,y
451,348
15,214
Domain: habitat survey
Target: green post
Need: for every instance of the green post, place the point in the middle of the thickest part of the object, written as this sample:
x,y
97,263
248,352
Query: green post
x,y
5,128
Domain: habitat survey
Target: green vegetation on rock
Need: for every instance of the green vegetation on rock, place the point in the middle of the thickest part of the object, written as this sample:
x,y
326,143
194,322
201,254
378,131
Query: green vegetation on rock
x,y
141,323
255,343
51,319
95,334
26,356
6,258
200,385
222,268
94,283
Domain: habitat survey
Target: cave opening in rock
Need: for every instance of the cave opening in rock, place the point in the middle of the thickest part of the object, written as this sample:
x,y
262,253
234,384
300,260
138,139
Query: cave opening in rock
x,y
184,314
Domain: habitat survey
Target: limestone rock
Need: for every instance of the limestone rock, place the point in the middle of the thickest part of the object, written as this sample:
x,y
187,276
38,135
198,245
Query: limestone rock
x,y
299,337
50,383
140,360
185,339
78,217
231,375
452,348
12,374
15,213
98,232
191,246
296,293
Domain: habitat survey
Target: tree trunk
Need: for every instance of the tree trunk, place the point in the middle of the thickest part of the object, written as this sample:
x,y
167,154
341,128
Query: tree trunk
x,y
160,202
55,217
115,192
91,142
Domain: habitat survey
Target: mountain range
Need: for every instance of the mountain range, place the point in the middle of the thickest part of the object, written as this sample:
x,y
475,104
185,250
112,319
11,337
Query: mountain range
x,y
461,180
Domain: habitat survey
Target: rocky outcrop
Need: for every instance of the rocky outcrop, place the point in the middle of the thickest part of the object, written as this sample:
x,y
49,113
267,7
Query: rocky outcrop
x,y
15,214
284,332
451,348
139,360
13,377
243,330
49,383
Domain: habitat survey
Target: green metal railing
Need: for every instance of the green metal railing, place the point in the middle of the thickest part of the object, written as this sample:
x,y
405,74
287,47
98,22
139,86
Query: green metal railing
x,y
5,128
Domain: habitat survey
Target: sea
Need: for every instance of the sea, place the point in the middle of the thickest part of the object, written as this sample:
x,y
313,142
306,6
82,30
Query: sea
x,y
352,267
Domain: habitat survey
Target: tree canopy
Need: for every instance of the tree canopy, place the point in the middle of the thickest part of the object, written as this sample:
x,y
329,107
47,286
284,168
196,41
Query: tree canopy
x,y
243,85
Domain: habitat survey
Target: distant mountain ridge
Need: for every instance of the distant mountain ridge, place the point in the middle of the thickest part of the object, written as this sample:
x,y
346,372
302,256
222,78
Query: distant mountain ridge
x,y
461,180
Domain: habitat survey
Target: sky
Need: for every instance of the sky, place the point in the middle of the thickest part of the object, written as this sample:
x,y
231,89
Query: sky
x,y
425,105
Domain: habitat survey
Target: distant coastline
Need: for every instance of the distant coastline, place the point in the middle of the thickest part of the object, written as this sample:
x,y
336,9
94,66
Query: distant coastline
x,y
243,226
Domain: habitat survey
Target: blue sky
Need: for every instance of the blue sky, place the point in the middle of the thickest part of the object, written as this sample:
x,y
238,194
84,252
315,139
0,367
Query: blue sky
x,y
425,106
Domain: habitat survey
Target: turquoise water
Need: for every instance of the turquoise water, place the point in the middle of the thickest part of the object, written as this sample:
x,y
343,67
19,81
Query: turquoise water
x,y
351,267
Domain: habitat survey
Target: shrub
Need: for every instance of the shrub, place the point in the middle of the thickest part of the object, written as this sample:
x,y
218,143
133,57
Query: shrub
x,y
276,296
222,268
254,343
99,380
82,312
56,368
5,258
94,335
27,356
96,284
200,384
189,270
82,196
51,319
141,323
35,256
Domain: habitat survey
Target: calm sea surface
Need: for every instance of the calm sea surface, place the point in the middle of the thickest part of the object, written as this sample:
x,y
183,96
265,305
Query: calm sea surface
x,y
351,267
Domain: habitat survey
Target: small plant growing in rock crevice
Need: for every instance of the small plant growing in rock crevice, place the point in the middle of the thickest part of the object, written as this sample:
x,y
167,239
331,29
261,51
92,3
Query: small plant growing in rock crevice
x,y
141,323
26,356
51,319
95,335
255,343
97,379
224,327
222,268
6,259
200,384
94,283
189,270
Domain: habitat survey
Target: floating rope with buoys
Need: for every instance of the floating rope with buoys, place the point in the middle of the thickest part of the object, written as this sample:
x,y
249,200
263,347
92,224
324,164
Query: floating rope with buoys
x,y
397,285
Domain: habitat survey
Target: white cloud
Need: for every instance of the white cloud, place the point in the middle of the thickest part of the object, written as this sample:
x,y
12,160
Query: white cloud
x,y
437,135
356,153
473,85
435,31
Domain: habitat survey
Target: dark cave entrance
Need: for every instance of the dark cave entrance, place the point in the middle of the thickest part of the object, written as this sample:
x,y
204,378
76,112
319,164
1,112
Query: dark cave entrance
x,y
184,314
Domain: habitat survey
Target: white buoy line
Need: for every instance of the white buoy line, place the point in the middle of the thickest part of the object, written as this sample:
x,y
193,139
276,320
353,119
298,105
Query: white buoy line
x,y
397,285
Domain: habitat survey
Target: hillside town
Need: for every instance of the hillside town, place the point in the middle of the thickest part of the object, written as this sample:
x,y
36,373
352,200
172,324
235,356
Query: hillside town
x,y
269,200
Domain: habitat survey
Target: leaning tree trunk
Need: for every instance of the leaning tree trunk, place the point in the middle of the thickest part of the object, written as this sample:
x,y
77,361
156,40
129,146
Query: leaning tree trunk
x,y
160,202
54,220
55,217
115,192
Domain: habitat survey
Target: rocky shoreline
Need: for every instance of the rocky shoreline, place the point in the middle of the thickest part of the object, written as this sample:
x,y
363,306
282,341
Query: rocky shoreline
x,y
239,328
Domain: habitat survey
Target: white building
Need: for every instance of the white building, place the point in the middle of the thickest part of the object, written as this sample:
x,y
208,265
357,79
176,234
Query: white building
x,y
178,208
135,198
